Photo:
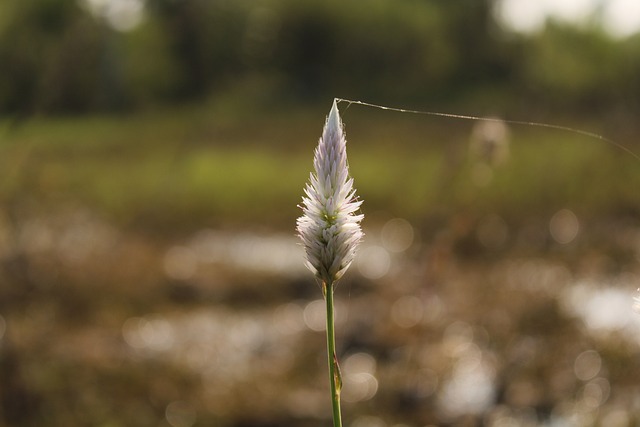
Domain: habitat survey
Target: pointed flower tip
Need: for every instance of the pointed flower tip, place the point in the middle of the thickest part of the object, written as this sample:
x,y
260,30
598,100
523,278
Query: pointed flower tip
x,y
333,120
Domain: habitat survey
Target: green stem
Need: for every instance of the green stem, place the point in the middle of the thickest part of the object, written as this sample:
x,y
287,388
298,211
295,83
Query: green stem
x,y
334,369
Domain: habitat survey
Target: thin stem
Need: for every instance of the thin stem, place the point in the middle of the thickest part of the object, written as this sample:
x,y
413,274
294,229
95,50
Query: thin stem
x,y
334,369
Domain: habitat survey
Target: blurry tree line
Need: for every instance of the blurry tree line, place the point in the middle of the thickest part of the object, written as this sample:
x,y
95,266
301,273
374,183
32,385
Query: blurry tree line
x,y
56,56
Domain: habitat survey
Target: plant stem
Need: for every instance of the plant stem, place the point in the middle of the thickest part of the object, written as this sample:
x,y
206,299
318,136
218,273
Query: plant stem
x,y
334,370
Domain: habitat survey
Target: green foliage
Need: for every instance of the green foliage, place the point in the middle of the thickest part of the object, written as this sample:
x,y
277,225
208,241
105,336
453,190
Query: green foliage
x,y
58,58
144,83
576,68
189,169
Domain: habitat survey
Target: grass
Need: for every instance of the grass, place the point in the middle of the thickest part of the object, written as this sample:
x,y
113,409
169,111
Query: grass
x,y
194,167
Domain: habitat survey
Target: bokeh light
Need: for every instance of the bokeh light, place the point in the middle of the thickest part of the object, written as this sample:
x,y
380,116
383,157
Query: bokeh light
x,y
397,235
620,18
122,15
407,311
564,226
180,414
315,315
180,263
373,262
587,365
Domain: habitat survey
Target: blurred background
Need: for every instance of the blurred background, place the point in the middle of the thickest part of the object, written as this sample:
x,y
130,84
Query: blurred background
x,y
152,156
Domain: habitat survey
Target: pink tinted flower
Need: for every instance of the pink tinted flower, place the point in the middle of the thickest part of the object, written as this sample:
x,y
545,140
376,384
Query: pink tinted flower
x,y
329,227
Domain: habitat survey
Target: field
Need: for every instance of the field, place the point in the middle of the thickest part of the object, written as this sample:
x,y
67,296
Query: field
x,y
150,275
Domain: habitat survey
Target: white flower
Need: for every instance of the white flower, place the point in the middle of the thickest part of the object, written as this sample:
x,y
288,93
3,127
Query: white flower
x,y
329,227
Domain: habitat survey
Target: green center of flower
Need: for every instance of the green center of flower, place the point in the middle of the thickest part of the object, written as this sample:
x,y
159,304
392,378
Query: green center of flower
x,y
331,219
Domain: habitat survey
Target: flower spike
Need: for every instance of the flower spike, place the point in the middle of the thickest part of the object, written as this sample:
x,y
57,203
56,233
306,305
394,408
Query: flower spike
x,y
329,227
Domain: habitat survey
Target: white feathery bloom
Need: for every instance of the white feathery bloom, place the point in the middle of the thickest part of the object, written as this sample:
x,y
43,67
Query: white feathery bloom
x,y
329,227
